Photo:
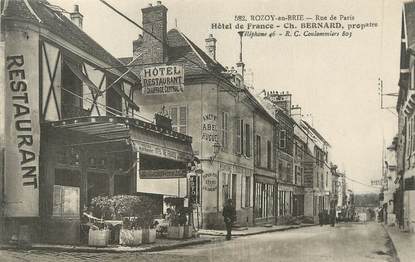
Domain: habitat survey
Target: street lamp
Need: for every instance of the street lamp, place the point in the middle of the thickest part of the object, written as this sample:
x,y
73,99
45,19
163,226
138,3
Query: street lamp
x,y
216,149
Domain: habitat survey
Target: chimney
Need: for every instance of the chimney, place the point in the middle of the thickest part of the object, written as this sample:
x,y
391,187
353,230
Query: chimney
x,y
76,16
296,113
241,65
211,46
154,22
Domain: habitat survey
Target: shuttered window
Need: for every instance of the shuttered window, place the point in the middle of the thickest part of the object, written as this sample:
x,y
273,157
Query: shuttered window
x,y
178,115
248,140
225,131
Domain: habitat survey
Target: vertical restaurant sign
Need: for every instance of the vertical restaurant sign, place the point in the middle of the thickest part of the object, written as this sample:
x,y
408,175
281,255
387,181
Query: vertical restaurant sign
x,y
161,80
22,125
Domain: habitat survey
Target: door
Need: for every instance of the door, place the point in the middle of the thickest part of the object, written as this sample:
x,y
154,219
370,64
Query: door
x,y
98,185
234,185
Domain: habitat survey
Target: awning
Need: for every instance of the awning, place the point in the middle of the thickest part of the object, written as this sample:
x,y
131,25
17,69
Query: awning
x,y
145,138
75,69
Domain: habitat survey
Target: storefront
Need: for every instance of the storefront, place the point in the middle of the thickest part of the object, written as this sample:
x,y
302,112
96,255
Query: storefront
x,y
96,156
298,201
285,202
264,199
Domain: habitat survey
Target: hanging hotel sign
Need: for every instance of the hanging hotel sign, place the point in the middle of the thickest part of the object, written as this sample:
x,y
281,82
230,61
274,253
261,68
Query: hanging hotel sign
x,y
161,80
22,129
163,173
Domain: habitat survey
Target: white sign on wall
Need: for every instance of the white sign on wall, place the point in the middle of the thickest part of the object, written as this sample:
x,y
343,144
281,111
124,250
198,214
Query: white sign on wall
x,y
160,80
22,126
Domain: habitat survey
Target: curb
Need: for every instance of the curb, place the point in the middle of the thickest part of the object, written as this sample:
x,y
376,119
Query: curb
x,y
262,232
394,251
108,250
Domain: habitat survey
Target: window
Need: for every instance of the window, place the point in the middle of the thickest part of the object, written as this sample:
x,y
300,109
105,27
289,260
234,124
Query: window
x,y
247,191
269,155
225,131
248,140
283,139
238,137
66,192
114,102
65,201
258,151
178,115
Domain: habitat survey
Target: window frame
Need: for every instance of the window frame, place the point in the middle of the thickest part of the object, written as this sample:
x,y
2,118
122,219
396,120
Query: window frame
x,y
282,141
178,126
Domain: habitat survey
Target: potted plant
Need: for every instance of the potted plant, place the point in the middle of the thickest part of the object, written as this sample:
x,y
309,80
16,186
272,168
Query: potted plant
x,y
176,217
147,225
131,233
99,233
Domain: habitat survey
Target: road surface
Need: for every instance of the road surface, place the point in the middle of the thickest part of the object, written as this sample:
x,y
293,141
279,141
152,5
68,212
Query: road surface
x,y
345,242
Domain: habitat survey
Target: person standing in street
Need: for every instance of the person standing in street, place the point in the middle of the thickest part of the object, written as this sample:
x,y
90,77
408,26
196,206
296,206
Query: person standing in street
x,y
229,216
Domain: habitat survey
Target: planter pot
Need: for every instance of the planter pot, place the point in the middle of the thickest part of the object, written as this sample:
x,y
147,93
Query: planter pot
x,y
175,232
188,231
130,237
98,238
149,235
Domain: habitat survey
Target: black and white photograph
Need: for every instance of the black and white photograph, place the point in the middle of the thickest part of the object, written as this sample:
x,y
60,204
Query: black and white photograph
x,y
195,130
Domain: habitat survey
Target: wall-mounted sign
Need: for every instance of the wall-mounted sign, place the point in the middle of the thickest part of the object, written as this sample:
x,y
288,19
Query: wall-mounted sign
x,y
154,150
162,173
209,128
160,80
209,182
22,132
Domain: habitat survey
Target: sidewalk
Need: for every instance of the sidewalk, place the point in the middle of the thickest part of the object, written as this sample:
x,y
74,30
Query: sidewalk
x,y
205,236
159,245
251,230
403,242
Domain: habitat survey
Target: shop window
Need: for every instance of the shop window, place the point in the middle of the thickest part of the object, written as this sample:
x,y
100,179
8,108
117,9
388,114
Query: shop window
x,y
225,131
178,115
66,193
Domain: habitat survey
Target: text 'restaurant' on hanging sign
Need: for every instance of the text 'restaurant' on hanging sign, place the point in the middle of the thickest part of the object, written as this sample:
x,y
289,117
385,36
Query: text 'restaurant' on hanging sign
x,y
161,80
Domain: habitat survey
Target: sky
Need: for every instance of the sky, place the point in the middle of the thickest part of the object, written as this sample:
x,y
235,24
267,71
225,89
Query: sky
x,y
334,80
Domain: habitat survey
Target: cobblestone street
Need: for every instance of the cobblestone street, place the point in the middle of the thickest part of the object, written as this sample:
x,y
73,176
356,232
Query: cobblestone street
x,y
345,242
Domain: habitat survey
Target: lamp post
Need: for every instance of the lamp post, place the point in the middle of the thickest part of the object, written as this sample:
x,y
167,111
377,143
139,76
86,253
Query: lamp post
x,y
216,149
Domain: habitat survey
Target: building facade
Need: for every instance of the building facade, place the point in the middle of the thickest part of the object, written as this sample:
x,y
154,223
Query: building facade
x,y
405,193
69,131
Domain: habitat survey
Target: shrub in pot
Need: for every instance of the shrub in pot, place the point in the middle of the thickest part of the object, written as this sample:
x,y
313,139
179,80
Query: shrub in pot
x,y
147,225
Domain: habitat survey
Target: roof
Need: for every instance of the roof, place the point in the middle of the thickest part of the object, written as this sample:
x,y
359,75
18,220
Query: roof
x,y
40,13
315,132
409,15
180,50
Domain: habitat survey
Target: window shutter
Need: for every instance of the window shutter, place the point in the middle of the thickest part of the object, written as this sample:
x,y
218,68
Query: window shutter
x,y
237,136
243,191
242,140
183,120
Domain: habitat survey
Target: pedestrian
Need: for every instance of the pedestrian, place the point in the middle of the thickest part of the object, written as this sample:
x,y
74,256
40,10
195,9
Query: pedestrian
x,y
333,216
229,216
320,217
